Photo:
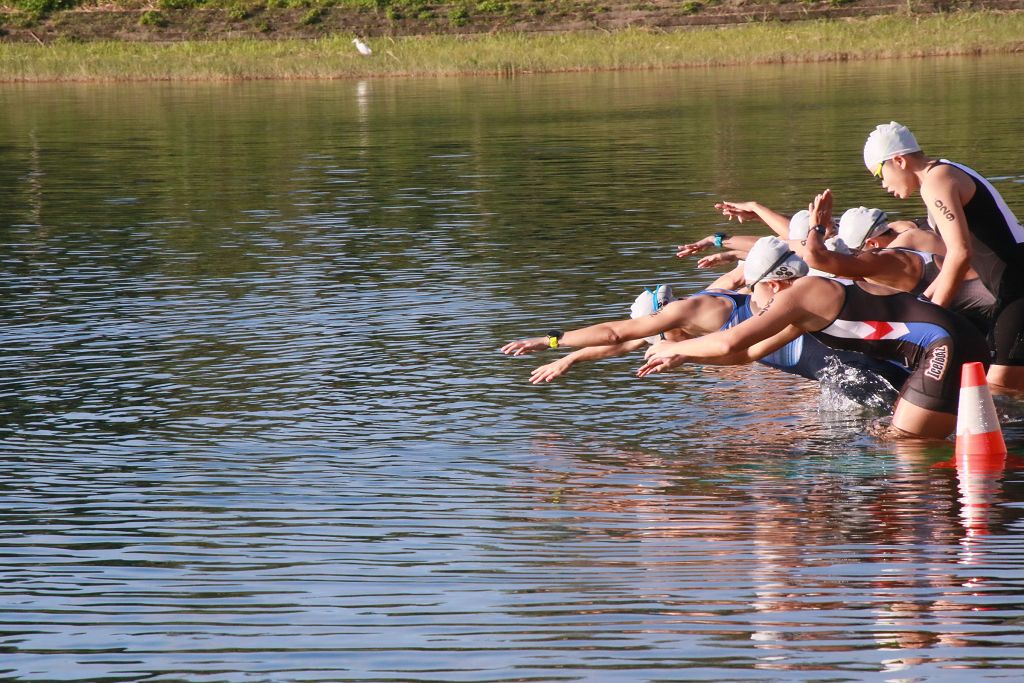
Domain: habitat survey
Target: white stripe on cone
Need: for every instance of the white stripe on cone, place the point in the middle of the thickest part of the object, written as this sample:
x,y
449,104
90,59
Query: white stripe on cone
x,y
977,425
976,413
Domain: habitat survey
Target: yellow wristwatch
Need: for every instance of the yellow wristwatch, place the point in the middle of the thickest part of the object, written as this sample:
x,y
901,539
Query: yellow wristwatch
x,y
553,337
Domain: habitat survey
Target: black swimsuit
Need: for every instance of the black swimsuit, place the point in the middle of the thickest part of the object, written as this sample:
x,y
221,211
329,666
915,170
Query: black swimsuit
x,y
997,238
931,342
997,254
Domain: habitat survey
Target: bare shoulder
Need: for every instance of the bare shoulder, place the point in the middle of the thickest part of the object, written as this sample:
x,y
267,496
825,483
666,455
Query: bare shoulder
x,y
707,302
920,240
944,178
942,172
680,308
697,304
813,284
705,313
902,225
817,298
945,174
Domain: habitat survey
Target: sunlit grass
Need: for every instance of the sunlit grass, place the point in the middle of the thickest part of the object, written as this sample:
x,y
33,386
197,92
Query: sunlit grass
x,y
439,55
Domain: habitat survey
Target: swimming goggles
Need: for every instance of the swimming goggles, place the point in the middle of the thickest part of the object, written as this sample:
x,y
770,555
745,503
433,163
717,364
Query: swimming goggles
x,y
654,298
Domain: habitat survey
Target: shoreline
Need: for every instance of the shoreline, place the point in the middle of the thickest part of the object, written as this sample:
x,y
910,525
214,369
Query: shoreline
x,y
510,54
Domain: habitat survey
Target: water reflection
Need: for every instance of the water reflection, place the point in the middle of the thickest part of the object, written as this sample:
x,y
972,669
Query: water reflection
x,y
839,560
256,427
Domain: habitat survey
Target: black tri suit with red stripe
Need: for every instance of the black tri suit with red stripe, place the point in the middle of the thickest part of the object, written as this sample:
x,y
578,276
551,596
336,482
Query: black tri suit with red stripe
x,y
932,342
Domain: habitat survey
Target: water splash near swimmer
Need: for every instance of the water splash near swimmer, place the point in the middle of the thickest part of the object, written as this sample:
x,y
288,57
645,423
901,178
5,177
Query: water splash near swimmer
x,y
845,386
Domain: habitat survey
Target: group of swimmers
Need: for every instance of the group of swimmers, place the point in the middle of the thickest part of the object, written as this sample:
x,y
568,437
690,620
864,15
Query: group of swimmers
x,y
899,301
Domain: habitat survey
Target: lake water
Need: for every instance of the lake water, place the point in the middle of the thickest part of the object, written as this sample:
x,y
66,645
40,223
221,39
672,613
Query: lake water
x,y
256,427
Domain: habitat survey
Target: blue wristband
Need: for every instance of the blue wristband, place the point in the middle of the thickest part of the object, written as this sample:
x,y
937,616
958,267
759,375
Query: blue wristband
x,y
719,236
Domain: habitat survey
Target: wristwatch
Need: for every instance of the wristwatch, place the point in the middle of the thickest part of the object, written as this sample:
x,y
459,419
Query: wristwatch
x,y
719,236
553,337
820,229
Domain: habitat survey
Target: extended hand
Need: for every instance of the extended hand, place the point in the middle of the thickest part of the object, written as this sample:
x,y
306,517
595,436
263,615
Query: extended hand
x,y
660,364
741,211
654,348
821,209
524,346
718,259
546,373
684,250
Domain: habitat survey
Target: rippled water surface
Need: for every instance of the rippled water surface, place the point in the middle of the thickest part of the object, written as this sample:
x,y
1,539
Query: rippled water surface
x,y
255,425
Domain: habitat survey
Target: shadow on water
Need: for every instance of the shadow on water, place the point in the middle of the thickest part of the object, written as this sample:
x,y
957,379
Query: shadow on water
x,y
256,426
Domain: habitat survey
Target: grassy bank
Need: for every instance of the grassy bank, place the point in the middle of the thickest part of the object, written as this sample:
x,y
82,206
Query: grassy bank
x,y
509,53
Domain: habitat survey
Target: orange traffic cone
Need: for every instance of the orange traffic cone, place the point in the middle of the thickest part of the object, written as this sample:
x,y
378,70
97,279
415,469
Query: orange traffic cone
x,y
977,425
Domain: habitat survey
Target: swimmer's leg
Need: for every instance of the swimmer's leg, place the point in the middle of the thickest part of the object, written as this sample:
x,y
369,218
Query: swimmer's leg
x,y
1007,369
1006,378
911,421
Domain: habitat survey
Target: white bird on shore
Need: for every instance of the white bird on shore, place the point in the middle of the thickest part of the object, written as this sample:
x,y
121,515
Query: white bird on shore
x,y
363,48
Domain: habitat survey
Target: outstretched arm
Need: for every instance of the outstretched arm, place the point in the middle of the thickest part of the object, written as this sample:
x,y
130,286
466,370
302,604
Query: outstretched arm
x,y
722,257
656,362
786,313
733,280
744,211
546,373
738,242
883,264
611,333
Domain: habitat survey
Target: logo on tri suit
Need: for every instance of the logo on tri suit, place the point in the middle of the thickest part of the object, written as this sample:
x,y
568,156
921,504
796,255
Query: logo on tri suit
x,y
937,362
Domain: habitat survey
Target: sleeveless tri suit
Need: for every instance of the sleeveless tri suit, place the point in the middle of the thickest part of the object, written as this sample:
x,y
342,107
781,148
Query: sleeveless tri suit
x,y
931,342
806,356
997,248
972,300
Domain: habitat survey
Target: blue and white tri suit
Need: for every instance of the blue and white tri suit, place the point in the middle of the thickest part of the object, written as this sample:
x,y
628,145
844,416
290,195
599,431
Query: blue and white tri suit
x,y
806,356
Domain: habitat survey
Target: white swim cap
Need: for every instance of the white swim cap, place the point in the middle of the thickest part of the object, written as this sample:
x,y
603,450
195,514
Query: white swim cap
x,y
837,245
859,225
650,301
886,141
771,259
800,225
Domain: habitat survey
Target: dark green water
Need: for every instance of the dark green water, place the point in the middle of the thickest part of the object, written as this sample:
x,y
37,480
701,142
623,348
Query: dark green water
x,y
255,425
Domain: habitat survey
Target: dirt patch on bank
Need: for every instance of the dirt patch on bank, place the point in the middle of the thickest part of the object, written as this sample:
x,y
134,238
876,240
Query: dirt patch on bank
x,y
148,23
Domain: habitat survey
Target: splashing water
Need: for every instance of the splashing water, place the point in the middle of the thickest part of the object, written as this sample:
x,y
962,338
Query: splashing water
x,y
846,386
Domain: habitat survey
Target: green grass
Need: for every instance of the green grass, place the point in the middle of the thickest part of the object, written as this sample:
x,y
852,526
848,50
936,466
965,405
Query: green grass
x,y
152,18
439,55
43,7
